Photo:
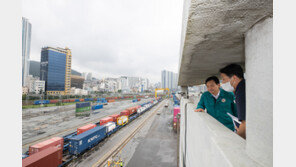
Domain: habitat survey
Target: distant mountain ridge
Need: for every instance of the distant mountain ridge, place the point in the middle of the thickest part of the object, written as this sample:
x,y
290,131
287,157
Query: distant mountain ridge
x,y
35,69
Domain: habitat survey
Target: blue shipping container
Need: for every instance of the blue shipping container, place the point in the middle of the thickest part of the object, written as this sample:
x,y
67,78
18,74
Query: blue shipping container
x,y
86,140
41,102
96,107
77,100
135,100
80,105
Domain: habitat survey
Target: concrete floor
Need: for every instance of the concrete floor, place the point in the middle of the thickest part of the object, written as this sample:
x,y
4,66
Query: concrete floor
x,y
158,147
53,120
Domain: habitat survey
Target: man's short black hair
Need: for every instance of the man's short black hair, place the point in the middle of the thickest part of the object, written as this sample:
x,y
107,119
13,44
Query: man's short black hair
x,y
233,69
212,78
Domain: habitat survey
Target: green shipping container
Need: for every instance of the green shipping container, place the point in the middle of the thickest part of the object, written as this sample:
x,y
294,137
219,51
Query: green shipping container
x,y
82,109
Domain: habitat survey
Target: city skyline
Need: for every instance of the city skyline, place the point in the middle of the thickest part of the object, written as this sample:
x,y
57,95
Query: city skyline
x,y
104,49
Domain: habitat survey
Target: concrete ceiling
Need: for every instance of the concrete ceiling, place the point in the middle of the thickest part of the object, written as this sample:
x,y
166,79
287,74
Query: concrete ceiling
x,y
213,35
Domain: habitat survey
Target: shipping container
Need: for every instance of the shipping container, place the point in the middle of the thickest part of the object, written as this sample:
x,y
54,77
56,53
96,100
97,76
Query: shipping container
x,y
96,107
125,112
50,157
81,99
85,104
105,120
132,110
53,142
85,128
80,143
114,117
111,100
122,120
134,100
139,99
72,100
53,101
37,102
77,100
65,100
110,126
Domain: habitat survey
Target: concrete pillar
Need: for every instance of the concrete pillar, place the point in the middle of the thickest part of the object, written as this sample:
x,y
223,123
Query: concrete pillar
x,y
259,92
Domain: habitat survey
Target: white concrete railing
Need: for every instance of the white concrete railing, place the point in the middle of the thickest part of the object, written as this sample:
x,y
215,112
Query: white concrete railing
x,y
206,142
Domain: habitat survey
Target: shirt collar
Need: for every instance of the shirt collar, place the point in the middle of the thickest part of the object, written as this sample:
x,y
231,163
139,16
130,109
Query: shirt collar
x,y
216,97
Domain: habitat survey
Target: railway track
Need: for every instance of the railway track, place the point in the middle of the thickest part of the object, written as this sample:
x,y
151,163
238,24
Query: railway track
x,y
64,131
116,149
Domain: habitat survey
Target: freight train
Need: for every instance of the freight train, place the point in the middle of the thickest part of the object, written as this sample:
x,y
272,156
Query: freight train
x,y
99,100
59,151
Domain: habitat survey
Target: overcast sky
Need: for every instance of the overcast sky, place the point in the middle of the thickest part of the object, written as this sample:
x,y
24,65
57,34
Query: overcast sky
x,y
110,38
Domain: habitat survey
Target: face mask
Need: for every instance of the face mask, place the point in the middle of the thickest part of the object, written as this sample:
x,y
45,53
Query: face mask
x,y
227,87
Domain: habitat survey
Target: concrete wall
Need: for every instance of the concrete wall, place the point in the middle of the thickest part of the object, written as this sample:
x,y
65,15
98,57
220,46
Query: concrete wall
x,y
259,91
206,142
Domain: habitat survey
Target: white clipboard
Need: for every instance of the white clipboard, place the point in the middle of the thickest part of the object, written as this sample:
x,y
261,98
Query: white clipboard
x,y
235,120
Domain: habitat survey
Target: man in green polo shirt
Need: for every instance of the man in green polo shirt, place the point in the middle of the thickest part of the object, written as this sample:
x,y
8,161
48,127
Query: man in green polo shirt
x,y
218,103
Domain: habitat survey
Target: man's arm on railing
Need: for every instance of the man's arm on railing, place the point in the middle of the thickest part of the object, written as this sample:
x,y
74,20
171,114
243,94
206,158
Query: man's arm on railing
x,y
241,131
201,105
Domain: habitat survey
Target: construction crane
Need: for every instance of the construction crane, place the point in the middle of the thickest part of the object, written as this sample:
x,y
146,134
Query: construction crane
x,y
168,91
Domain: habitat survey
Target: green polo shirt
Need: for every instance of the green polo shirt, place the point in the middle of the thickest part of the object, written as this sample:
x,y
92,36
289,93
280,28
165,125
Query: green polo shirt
x,y
220,107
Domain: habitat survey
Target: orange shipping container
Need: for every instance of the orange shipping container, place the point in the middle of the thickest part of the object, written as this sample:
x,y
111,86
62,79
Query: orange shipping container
x,y
105,120
85,128
125,112
114,117
81,99
71,100
53,142
50,157
111,100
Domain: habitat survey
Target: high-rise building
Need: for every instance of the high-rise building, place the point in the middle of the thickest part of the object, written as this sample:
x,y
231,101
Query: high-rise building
x,y
55,70
169,80
26,44
77,81
89,76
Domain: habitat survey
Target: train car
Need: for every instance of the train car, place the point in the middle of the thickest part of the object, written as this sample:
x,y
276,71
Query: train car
x,y
132,110
80,143
122,120
53,142
65,100
134,100
77,100
85,128
50,157
72,100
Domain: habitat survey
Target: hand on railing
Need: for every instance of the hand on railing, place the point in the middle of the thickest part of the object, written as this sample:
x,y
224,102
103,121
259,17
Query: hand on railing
x,y
199,110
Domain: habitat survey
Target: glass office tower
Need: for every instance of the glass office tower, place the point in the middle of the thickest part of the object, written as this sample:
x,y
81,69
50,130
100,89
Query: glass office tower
x,y
55,70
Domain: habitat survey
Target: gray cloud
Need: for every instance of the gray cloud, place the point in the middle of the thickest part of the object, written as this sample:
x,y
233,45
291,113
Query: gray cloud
x,y
110,37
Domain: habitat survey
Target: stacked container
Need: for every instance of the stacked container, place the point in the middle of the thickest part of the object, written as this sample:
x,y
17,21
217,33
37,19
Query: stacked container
x,y
50,157
53,142
83,109
85,128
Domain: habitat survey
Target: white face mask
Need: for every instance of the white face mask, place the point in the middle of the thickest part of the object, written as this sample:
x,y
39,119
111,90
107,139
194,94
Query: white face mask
x,y
227,87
